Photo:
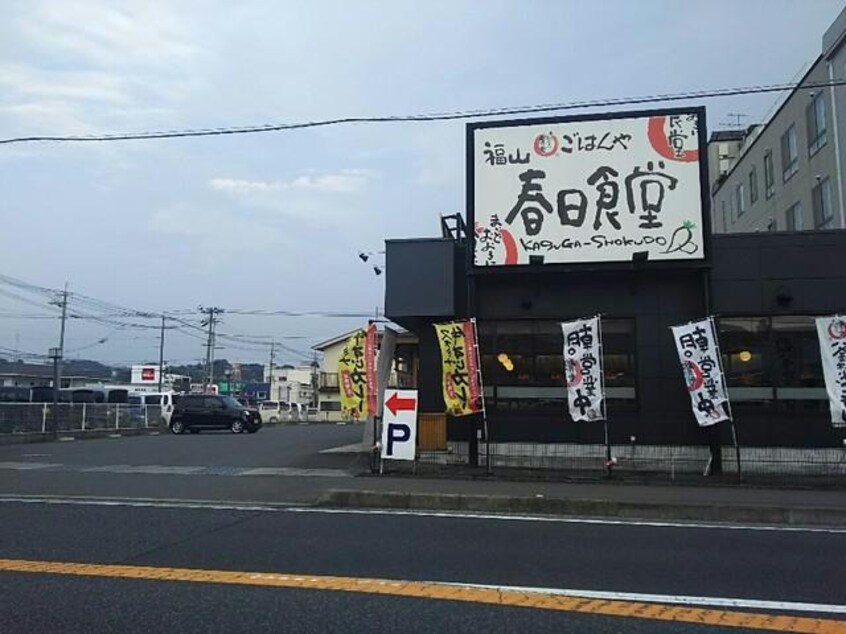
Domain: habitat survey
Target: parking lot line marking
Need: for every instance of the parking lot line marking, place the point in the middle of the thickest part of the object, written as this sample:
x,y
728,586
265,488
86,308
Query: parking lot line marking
x,y
503,596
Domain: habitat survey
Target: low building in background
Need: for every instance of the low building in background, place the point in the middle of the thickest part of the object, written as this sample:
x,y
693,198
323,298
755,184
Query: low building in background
x,y
403,375
292,384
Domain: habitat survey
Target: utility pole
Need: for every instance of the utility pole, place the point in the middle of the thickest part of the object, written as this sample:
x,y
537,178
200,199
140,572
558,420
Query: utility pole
x,y
161,354
59,353
212,320
270,370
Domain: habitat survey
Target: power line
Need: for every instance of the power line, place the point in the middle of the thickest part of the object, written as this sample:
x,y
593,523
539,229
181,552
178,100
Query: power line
x,y
443,116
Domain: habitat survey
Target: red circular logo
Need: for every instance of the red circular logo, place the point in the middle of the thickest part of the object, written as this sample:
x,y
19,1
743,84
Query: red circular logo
x,y
661,144
546,144
574,373
693,376
837,329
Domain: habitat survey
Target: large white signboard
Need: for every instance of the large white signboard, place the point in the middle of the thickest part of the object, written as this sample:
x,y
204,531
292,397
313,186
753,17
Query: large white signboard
x,y
832,336
399,425
703,371
576,191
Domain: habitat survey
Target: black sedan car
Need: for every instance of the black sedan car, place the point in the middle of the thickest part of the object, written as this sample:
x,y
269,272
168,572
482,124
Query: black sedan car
x,y
196,412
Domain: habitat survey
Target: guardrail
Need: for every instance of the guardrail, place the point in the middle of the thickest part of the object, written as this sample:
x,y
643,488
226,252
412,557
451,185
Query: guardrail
x,y
42,418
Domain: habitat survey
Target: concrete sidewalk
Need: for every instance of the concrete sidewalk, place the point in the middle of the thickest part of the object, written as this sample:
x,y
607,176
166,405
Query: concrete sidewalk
x,y
743,504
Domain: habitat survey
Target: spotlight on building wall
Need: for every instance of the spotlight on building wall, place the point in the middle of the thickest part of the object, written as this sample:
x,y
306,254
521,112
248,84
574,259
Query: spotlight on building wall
x,y
377,270
364,257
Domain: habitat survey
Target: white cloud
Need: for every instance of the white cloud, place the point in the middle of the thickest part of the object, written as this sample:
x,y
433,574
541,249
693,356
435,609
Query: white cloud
x,y
345,181
237,186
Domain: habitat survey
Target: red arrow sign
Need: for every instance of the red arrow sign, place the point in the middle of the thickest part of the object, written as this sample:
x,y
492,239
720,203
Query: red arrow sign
x,y
397,404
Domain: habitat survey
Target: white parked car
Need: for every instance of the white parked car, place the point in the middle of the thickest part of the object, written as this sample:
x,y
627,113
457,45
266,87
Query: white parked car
x,y
159,406
282,412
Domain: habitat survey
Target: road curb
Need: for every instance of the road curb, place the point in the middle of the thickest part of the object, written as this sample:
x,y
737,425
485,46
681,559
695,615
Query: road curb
x,y
747,514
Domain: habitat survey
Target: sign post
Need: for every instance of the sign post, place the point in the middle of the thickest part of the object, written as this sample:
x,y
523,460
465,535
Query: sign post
x,y
399,425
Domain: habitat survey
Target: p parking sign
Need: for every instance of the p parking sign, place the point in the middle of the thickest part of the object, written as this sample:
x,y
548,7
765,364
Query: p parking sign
x,y
399,425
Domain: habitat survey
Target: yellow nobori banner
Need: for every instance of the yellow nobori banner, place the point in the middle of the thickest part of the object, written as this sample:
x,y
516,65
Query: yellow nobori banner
x,y
460,369
357,374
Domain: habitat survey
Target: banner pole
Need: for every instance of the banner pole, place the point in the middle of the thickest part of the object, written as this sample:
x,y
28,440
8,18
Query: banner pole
x,y
482,395
728,399
608,464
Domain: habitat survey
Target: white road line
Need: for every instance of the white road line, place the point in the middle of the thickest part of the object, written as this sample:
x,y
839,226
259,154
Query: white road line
x,y
556,519
293,507
144,503
28,466
168,470
720,602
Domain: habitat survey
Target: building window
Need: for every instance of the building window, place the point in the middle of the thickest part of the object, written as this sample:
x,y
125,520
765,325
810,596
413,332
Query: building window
x,y
740,194
753,185
823,213
523,365
725,215
769,180
773,360
793,217
815,118
789,153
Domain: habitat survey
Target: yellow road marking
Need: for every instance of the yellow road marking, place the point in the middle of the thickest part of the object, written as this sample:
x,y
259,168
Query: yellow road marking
x,y
445,592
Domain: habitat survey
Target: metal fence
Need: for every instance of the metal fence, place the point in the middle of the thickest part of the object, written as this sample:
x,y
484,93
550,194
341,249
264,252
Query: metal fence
x,y
29,418
551,460
670,461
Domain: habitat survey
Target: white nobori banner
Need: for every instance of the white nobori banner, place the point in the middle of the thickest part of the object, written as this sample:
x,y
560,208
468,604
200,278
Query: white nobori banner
x,y
583,369
832,335
703,371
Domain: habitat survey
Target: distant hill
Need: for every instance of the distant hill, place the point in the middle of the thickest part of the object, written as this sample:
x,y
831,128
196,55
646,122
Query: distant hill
x,y
250,372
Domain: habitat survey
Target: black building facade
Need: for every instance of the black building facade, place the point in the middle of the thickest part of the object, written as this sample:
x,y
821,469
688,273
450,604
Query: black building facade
x,y
764,289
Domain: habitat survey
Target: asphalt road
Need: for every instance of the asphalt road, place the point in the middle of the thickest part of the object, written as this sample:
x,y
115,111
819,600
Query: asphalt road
x,y
787,566
277,464
74,565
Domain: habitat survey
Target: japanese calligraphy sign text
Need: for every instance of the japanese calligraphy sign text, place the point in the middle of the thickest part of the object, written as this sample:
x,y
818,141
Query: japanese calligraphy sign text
x,y
703,372
357,374
583,369
588,190
832,336
461,385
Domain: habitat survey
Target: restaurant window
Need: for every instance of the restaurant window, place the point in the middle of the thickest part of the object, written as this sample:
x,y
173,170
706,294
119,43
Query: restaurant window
x,y
523,365
773,361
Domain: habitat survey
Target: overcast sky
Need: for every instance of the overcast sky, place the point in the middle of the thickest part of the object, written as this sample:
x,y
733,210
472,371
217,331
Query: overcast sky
x,y
275,220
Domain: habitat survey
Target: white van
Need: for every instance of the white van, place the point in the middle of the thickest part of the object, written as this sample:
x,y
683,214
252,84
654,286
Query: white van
x,y
282,412
158,404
